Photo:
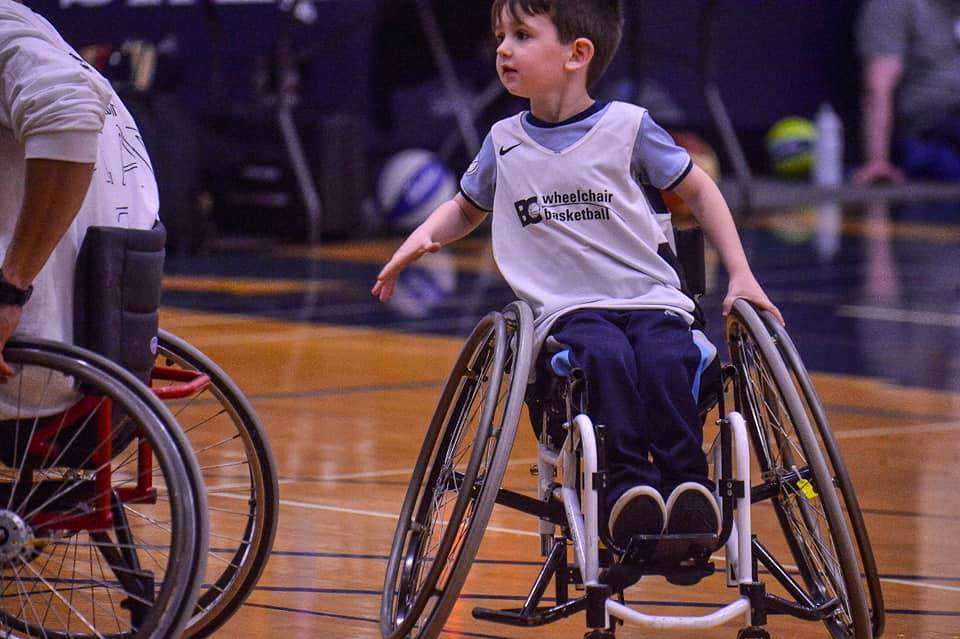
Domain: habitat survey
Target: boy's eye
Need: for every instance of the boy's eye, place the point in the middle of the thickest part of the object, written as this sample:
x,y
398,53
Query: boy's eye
x,y
499,37
522,35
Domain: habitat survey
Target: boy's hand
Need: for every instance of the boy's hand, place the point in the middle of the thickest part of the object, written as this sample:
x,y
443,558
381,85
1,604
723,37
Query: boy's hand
x,y
387,279
749,289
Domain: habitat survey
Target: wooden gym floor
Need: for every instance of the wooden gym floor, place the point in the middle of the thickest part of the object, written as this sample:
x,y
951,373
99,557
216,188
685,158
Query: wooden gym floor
x,y
345,387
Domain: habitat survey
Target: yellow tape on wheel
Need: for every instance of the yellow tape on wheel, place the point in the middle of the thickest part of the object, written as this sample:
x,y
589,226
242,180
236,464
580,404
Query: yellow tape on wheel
x,y
806,487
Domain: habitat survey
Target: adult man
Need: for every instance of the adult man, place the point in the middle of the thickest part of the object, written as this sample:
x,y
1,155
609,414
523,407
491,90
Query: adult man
x,y
911,78
72,158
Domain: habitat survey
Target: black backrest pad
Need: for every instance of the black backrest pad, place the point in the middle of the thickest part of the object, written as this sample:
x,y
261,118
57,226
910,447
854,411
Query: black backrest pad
x,y
117,295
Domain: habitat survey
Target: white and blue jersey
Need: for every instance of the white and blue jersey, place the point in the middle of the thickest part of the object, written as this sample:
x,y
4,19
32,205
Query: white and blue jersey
x,y
578,221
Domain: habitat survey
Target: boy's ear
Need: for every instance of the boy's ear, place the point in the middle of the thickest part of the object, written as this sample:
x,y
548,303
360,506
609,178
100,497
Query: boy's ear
x,y
581,54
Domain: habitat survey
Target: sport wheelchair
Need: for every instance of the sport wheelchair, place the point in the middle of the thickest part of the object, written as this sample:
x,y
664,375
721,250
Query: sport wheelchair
x,y
816,569
112,486
102,509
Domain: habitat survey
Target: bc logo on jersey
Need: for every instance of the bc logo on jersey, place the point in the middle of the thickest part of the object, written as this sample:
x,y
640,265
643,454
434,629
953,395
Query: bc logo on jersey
x,y
528,211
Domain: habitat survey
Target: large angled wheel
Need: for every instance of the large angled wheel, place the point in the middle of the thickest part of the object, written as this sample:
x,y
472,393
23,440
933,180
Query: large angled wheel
x,y
841,477
457,476
238,471
816,544
98,533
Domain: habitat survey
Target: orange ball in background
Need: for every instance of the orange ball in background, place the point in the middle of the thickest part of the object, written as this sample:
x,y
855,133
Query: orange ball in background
x,y
703,156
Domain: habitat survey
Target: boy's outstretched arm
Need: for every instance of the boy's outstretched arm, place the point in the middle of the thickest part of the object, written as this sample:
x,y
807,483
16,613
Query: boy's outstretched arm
x,y
700,192
449,222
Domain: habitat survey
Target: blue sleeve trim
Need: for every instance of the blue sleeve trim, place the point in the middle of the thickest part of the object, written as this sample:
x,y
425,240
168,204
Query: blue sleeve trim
x,y
681,177
473,202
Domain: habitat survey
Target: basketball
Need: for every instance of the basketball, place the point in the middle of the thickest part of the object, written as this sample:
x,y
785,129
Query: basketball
x,y
703,156
411,185
790,147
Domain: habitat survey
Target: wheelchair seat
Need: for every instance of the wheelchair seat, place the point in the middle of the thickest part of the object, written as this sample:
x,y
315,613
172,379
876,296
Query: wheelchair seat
x,y
706,384
546,396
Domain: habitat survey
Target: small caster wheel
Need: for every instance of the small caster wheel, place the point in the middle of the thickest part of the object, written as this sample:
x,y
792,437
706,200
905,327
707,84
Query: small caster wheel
x,y
754,632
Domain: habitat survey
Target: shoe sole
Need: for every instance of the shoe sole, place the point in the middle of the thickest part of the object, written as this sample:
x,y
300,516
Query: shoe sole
x,y
692,512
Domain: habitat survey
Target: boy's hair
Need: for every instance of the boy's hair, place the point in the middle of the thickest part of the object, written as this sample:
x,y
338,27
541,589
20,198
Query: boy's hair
x,y
600,21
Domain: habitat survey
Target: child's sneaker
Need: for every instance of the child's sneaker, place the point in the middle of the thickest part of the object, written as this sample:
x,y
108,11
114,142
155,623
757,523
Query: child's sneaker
x,y
691,510
639,511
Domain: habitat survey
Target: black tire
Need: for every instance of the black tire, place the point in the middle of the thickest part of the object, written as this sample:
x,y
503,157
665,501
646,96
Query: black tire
x,y
468,443
220,424
86,590
796,479
841,477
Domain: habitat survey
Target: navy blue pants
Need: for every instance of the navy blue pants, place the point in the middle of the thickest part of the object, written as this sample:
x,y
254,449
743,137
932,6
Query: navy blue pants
x,y
640,368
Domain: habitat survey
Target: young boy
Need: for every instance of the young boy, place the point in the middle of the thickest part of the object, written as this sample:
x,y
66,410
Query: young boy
x,y
581,234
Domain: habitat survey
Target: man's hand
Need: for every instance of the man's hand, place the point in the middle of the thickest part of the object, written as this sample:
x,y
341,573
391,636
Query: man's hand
x,y
408,253
749,289
877,171
9,320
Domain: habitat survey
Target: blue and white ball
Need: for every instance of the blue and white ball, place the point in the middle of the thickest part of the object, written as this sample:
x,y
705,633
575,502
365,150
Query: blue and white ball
x,y
412,184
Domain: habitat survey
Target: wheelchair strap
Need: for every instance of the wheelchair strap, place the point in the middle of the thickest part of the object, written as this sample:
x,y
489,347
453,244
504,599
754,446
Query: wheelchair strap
x,y
117,295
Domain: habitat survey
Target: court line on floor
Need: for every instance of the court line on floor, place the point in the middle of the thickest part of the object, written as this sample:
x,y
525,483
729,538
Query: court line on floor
x,y
885,431
514,531
385,473
546,599
899,315
511,562
332,615
427,384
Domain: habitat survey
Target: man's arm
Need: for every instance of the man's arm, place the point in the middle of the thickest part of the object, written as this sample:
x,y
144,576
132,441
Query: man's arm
x,y
881,75
53,193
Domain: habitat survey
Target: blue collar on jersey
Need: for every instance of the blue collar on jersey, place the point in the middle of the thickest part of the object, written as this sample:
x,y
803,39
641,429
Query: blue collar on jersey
x,y
596,107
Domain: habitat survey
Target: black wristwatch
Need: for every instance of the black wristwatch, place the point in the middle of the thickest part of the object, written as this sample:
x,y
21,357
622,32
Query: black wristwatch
x,y
11,295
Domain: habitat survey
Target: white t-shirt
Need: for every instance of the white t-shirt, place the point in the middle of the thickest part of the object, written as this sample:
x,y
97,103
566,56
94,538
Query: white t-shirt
x,y
573,228
55,106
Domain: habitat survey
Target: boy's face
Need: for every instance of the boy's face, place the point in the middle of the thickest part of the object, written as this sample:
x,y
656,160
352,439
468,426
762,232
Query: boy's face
x,y
530,56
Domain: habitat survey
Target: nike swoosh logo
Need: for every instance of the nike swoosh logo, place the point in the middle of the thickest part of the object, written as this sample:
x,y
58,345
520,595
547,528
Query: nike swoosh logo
x,y
505,150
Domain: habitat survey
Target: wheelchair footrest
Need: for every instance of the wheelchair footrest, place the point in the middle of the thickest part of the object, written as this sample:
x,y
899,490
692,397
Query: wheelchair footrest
x,y
682,559
533,617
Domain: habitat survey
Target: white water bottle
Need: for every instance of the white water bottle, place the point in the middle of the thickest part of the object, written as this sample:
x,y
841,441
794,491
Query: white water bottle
x,y
828,148
828,173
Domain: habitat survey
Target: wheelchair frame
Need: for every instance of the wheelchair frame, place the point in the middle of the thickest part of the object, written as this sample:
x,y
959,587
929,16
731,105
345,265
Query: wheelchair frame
x,y
418,607
40,510
187,381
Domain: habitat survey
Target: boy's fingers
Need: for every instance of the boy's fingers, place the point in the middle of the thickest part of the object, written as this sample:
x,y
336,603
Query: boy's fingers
x,y
386,292
776,313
